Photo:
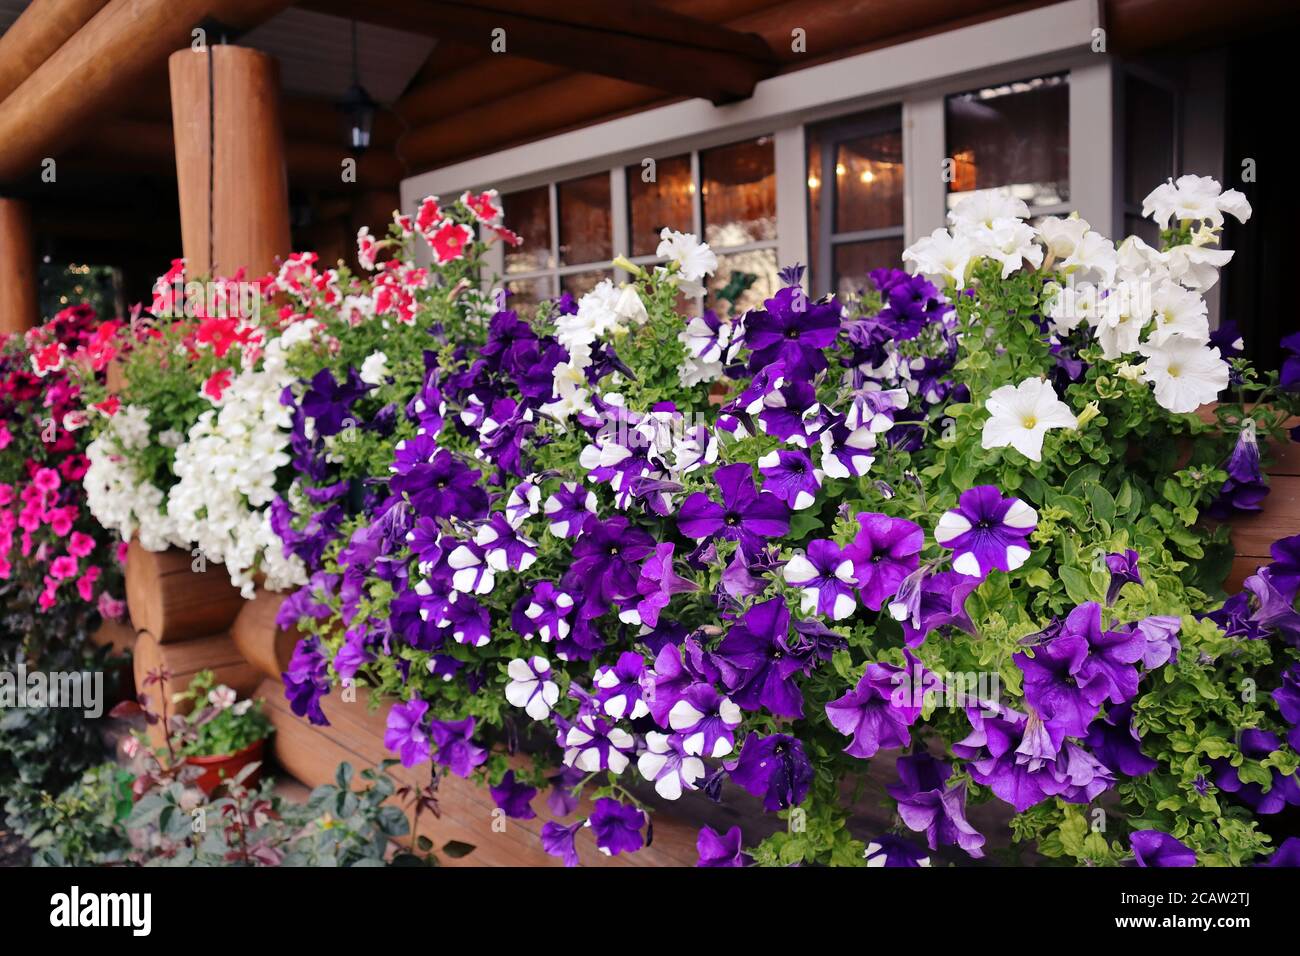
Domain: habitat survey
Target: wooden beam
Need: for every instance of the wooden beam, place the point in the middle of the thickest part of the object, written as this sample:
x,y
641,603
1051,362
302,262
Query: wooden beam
x,y
89,73
695,70
18,303
39,30
230,167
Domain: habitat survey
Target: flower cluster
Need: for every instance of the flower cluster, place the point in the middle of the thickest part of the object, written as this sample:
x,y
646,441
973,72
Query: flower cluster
x,y
52,554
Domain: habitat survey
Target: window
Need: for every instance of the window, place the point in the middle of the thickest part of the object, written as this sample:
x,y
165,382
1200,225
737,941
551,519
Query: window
x,y
1013,137
855,199
1149,137
567,229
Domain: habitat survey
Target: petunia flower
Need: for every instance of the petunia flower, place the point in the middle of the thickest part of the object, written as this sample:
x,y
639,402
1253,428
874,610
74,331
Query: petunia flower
x,y
889,850
1020,415
927,805
514,798
874,713
1115,742
791,329
774,768
1155,848
592,743
531,686
547,611
706,721
1123,569
790,476
986,531
406,733
1186,374
824,575
746,515
667,765
884,552
618,688
558,840
605,564
456,751
617,827
656,585
504,546
756,665
1246,487
721,850
471,572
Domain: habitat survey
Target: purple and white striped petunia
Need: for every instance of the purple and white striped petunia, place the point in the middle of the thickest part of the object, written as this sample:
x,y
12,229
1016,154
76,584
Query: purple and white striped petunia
x,y
505,547
846,452
525,500
569,508
548,611
790,476
593,743
618,688
666,763
531,686
706,720
825,578
986,531
471,573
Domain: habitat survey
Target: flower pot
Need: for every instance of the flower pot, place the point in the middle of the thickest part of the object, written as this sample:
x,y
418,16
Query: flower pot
x,y
222,767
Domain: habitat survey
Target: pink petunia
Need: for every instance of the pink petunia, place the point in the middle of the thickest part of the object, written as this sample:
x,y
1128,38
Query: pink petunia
x,y
5,436
61,519
47,479
80,544
110,607
86,584
122,549
64,566
6,491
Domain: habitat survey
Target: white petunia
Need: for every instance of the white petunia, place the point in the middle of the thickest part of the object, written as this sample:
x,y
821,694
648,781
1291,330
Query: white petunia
x,y
1020,415
1194,199
530,686
374,368
986,207
1179,311
1185,374
694,259
940,255
1122,315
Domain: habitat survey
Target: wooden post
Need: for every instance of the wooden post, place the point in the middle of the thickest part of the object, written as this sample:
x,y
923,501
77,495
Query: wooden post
x,y
18,305
230,172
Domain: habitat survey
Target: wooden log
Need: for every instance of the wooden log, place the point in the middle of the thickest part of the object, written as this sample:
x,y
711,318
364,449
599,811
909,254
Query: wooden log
x,y
174,602
1253,534
264,645
18,302
216,652
40,30
86,76
118,635
230,173
356,735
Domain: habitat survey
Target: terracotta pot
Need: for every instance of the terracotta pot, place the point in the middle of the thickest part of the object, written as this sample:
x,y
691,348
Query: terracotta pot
x,y
221,767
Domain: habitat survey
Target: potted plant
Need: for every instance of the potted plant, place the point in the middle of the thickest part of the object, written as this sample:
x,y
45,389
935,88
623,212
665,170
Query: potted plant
x,y
221,734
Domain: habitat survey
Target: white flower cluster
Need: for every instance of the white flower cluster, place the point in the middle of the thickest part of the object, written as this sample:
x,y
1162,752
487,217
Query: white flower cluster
x,y
1138,300
226,471
119,498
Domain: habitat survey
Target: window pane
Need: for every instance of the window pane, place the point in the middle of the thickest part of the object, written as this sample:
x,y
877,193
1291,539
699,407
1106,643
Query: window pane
x,y
869,182
580,283
854,260
529,214
1015,136
760,264
586,220
665,202
739,192
1148,138
528,292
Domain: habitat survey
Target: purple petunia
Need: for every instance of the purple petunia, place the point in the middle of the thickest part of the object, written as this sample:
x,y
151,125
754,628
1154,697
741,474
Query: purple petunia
x,y
874,713
559,840
307,679
406,734
1156,848
606,563
656,585
884,552
617,827
756,665
719,850
514,798
774,768
792,329
456,751
745,515
618,688
889,850
1123,569
986,531
568,510
927,805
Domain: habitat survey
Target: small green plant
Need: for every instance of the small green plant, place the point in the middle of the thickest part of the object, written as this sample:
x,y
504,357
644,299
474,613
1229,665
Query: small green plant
x,y
83,825
219,722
